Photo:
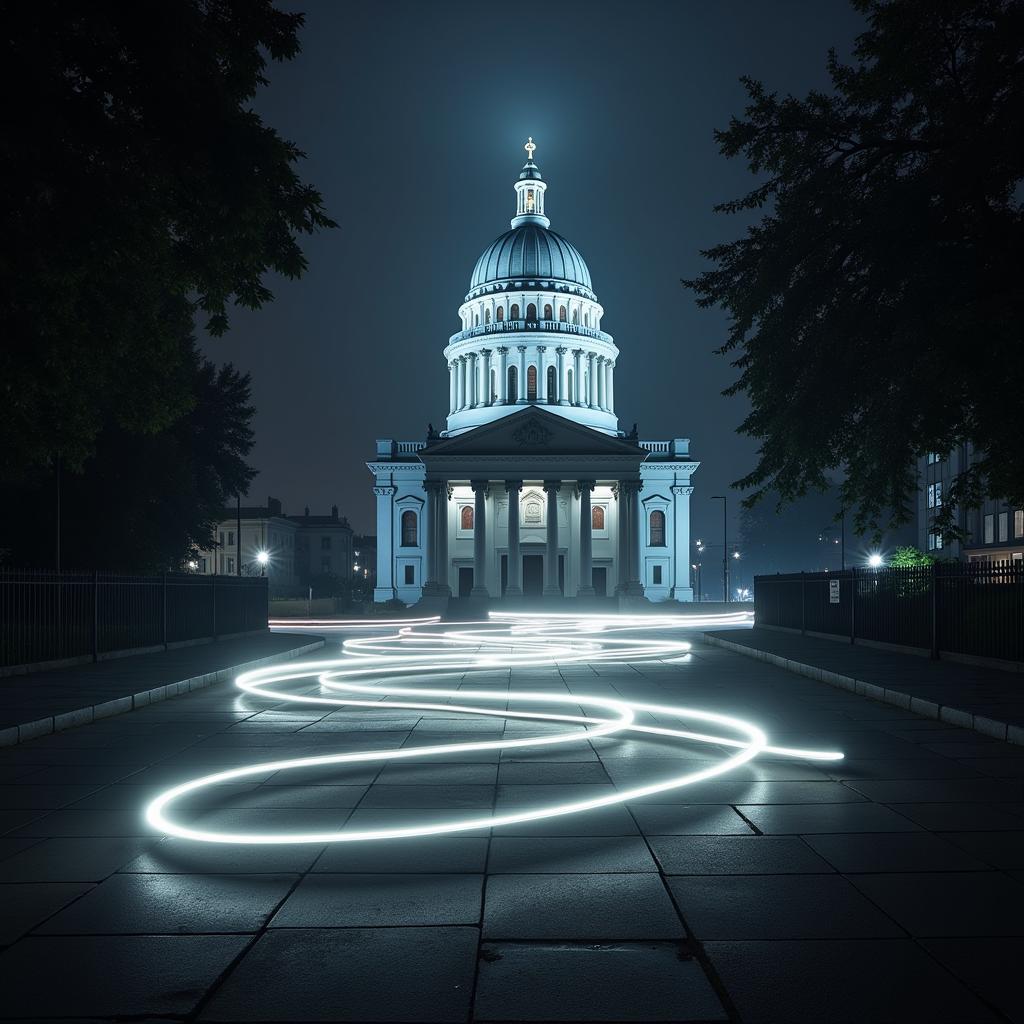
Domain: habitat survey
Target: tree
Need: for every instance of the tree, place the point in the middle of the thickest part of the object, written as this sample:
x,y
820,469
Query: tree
x,y
140,189
910,558
143,501
876,308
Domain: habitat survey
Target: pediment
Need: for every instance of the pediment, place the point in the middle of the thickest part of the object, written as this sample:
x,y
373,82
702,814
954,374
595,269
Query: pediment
x,y
532,431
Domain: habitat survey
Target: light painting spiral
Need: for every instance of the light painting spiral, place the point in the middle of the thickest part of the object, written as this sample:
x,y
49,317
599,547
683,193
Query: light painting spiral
x,y
365,677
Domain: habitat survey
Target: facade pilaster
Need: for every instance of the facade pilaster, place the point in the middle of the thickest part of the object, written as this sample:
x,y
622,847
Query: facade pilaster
x,y
502,375
521,400
551,588
577,398
563,376
591,381
479,538
385,589
682,589
514,584
586,582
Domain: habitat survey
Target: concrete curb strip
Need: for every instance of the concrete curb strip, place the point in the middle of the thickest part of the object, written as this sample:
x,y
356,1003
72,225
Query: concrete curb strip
x,y
120,705
918,705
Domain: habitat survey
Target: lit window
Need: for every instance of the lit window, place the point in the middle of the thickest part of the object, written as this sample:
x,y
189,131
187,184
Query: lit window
x,y
531,312
938,541
938,494
531,383
500,315
931,495
529,200
657,529
547,311
1018,523
1004,526
561,314
656,574
513,313
466,519
408,529
597,517
931,541
990,534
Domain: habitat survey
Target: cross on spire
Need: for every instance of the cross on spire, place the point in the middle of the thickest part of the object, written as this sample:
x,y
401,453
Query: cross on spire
x,y
530,147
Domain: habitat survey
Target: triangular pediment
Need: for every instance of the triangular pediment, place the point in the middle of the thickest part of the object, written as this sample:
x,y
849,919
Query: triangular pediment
x,y
532,431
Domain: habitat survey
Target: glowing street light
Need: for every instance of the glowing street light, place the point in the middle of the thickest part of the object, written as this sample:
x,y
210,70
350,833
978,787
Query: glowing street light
x,y
263,558
875,560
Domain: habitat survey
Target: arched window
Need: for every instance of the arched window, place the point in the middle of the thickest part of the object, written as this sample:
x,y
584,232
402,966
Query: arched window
x,y
513,384
597,517
408,529
552,385
575,316
531,312
513,313
531,383
561,313
466,517
547,311
487,316
657,529
500,315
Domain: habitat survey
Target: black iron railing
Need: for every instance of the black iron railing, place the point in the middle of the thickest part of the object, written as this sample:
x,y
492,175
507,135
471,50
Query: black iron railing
x,y
973,608
50,616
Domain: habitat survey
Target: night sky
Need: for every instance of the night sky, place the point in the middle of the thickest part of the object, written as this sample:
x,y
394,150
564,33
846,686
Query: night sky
x,y
413,117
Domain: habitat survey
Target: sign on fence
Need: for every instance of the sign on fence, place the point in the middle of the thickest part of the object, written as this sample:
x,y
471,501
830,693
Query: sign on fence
x,y
833,591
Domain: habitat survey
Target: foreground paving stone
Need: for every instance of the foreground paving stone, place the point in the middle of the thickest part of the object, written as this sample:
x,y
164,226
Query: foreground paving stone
x,y
990,967
352,974
611,982
740,855
72,860
426,855
568,854
591,906
810,982
111,976
909,851
23,906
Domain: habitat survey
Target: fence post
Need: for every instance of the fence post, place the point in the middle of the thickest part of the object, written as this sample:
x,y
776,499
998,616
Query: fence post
x,y
163,610
935,610
803,603
853,603
95,615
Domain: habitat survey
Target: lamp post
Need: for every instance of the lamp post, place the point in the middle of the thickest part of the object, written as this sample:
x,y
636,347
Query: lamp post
x,y
696,569
262,557
725,543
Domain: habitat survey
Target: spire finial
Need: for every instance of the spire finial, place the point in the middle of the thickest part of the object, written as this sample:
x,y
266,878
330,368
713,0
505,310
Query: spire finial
x,y
530,147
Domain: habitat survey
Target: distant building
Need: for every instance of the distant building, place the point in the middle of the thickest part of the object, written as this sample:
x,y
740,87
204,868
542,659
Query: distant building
x,y
296,547
323,546
994,531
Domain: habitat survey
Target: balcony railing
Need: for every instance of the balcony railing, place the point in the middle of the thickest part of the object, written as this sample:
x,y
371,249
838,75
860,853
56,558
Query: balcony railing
x,y
526,326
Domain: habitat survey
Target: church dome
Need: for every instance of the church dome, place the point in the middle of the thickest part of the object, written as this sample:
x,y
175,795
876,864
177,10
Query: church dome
x,y
530,251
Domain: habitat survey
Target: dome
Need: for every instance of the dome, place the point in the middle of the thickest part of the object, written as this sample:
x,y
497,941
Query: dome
x,y
530,251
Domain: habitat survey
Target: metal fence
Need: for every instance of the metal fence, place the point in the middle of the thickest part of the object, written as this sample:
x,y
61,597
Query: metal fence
x,y
48,616
972,608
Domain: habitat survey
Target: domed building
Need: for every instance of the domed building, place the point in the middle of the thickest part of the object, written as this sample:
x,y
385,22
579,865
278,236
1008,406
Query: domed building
x,y
532,491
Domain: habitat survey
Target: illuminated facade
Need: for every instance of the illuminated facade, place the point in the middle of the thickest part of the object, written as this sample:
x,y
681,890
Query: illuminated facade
x,y
532,490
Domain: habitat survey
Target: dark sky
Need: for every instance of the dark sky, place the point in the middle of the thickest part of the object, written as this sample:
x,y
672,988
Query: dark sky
x,y
413,117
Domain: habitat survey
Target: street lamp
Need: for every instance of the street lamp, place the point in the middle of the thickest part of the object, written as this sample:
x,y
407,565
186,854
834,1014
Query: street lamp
x,y
725,543
696,568
875,560
263,558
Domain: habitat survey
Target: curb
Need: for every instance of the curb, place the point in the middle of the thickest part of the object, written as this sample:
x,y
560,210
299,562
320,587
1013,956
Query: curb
x,y
14,734
918,705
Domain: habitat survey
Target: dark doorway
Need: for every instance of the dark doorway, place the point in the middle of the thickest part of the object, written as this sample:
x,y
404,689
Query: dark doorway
x,y
533,575
504,574
465,581
601,582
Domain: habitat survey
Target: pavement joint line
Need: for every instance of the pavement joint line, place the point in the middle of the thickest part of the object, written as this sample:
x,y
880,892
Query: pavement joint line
x,y
918,705
15,734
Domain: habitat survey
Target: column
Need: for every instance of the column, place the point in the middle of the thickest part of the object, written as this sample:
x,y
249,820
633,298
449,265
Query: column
x,y
479,538
542,375
551,588
451,388
591,381
485,377
471,381
441,540
460,393
514,586
577,397
586,584
502,375
629,540
563,376
385,589
600,383
522,375
682,590
611,386
433,490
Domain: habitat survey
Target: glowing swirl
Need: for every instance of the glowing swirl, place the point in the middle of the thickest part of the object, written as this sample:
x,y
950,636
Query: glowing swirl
x,y
509,641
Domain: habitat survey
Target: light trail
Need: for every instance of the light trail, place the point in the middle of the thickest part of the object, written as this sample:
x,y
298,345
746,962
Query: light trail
x,y
366,676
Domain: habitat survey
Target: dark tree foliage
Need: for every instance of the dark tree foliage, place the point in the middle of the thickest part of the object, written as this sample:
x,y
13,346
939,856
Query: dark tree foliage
x,y
140,189
142,501
876,309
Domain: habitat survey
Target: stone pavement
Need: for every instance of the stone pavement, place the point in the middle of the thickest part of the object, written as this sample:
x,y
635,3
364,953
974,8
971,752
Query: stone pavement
x,y
886,887
988,700
39,703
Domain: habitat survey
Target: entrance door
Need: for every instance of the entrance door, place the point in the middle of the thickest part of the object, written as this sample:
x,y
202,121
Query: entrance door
x,y
601,581
465,580
533,575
